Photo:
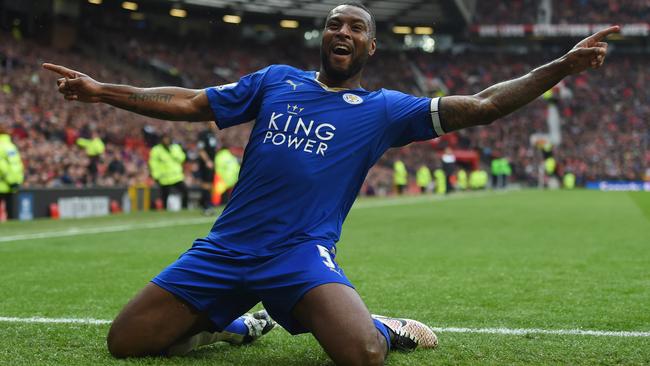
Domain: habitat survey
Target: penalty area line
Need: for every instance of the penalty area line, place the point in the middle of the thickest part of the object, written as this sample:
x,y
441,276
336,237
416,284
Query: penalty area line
x,y
498,331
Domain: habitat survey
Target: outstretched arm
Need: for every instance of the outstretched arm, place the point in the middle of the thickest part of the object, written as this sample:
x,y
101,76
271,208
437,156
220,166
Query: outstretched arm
x,y
168,103
457,112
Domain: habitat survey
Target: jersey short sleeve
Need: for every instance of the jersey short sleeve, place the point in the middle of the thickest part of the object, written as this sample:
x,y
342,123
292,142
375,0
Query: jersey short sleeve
x,y
410,118
239,102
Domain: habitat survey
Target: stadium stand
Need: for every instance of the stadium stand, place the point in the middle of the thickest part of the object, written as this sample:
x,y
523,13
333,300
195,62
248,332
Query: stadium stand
x,y
601,11
598,144
562,12
489,13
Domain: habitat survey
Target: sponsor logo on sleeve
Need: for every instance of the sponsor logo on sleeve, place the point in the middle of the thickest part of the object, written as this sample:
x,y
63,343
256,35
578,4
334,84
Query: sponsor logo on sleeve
x,y
226,86
293,84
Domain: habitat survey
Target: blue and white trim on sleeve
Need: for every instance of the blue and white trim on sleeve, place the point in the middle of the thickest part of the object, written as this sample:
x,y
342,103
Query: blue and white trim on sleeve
x,y
435,116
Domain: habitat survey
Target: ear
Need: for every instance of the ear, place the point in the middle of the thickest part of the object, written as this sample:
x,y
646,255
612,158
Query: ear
x,y
373,47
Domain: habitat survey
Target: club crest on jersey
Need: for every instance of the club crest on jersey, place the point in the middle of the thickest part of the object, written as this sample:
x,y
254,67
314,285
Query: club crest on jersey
x,y
291,130
352,99
294,109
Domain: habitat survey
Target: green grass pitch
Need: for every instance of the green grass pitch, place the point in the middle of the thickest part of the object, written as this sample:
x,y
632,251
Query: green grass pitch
x,y
523,259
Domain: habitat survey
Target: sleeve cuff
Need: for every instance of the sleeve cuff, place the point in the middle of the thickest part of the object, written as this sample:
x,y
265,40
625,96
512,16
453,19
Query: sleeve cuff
x,y
212,101
435,116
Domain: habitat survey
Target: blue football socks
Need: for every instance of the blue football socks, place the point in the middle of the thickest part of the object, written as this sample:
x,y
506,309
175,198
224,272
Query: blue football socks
x,y
238,327
383,330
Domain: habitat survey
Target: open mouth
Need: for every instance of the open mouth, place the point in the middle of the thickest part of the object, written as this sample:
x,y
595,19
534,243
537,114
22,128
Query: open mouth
x,y
341,50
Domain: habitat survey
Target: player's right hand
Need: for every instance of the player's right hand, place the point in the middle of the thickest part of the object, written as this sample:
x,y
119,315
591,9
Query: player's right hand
x,y
75,85
590,52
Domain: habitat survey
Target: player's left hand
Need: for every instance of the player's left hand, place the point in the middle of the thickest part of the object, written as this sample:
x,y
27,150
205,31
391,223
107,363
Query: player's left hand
x,y
590,52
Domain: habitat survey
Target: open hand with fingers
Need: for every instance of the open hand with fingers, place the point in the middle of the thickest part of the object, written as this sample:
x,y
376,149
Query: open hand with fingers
x,y
590,52
75,85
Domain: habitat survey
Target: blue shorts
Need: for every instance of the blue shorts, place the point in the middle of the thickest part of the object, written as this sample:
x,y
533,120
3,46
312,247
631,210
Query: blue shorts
x,y
226,285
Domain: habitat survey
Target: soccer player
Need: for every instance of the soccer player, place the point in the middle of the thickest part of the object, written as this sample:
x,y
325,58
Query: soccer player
x,y
316,135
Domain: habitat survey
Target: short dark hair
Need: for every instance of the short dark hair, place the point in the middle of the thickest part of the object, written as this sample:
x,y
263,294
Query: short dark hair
x,y
373,25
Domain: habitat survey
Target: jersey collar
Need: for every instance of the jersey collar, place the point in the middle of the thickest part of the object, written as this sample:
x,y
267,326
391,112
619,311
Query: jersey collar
x,y
333,90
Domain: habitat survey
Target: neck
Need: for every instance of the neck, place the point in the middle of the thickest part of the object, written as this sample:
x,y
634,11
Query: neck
x,y
353,82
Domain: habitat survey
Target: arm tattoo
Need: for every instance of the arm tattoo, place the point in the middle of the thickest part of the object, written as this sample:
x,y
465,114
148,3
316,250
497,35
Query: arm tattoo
x,y
151,97
458,112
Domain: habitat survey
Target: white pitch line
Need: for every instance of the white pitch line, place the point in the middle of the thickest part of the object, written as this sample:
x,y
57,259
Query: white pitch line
x,y
75,231
499,331
508,331
38,319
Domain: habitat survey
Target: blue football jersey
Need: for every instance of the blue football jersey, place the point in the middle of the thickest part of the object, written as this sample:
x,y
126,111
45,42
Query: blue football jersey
x,y
308,154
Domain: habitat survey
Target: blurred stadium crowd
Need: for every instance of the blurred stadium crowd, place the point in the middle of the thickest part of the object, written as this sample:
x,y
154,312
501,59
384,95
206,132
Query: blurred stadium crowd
x,y
563,11
604,121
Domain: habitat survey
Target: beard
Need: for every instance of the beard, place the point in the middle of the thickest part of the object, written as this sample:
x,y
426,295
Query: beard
x,y
356,65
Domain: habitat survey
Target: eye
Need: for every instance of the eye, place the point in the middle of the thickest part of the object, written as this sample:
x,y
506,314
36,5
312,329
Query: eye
x,y
333,25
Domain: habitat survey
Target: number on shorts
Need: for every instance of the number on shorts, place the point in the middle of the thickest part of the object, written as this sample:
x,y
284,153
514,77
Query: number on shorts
x,y
327,259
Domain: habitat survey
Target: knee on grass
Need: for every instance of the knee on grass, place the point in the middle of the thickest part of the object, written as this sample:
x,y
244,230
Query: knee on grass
x,y
116,347
123,344
373,355
364,353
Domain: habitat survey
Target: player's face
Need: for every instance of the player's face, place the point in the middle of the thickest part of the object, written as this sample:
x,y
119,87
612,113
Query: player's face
x,y
347,42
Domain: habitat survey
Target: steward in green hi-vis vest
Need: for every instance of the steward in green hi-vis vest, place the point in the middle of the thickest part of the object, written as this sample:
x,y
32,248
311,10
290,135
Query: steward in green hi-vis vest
x,y
495,169
166,164
166,167
461,177
400,176
423,178
11,174
569,181
478,179
227,167
506,171
483,179
94,148
226,174
11,165
441,181
549,166
501,170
